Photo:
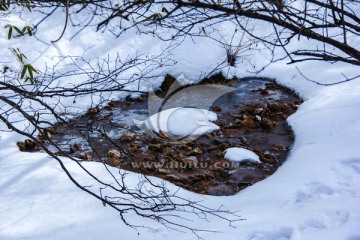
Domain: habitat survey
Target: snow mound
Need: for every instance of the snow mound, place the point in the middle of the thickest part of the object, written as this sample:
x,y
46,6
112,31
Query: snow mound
x,y
241,155
183,121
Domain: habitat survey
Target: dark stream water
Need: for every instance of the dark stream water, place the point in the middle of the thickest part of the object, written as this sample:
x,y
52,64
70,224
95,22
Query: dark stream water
x,y
253,117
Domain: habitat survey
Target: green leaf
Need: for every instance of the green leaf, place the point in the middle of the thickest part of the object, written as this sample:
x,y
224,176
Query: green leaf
x,y
10,33
33,69
30,72
29,30
23,72
28,5
152,16
18,31
24,2
203,29
164,9
5,69
32,80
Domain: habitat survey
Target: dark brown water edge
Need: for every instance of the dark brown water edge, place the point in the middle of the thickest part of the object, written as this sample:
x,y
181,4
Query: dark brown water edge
x,y
252,117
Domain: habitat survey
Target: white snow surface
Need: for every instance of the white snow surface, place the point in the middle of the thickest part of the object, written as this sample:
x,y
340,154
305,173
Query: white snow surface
x,y
241,155
314,195
183,121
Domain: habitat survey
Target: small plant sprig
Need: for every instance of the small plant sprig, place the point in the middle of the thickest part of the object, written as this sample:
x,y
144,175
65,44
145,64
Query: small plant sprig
x,y
25,3
157,16
27,29
27,71
5,4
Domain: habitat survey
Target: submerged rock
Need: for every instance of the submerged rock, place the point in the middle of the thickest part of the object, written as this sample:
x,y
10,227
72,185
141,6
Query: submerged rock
x,y
93,111
26,146
113,158
266,123
196,151
84,156
133,148
216,108
167,151
155,147
264,91
248,122
127,138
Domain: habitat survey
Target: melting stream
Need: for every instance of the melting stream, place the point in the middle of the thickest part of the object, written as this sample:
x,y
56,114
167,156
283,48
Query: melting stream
x,y
252,117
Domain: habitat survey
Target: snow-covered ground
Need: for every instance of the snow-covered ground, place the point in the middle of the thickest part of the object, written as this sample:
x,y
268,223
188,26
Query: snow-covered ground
x,y
314,195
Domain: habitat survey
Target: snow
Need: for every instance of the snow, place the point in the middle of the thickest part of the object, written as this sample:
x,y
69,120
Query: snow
x,y
315,194
183,122
241,155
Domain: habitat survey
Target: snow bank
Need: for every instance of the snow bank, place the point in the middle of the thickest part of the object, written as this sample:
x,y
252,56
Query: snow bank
x,y
241,155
